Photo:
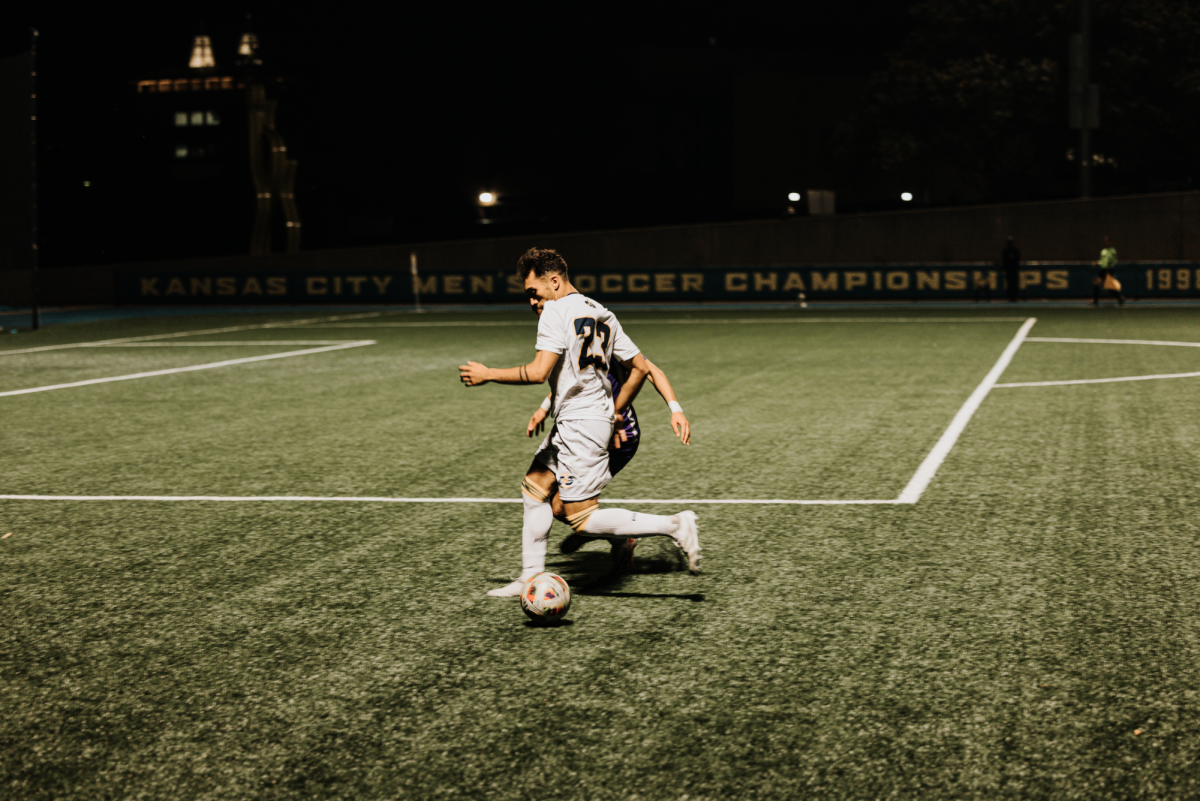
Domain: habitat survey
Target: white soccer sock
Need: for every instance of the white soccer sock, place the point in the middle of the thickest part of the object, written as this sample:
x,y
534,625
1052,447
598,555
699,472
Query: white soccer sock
x,y
622,523
535,533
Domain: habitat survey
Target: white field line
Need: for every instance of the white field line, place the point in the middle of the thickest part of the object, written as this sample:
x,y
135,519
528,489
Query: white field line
x,y
728,321
280,324
261,343
925,473
209,366
1105,380
1115,341
369,499
1097,380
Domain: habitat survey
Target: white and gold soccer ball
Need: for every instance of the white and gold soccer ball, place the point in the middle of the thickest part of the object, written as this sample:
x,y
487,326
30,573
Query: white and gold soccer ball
x,y
546,598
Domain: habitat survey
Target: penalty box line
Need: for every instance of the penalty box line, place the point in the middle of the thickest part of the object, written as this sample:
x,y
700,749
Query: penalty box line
x,y
208,366
689,321
369,499
941,449
256,326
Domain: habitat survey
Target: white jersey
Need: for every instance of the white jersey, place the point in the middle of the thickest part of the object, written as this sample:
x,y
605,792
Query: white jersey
x,y
587,338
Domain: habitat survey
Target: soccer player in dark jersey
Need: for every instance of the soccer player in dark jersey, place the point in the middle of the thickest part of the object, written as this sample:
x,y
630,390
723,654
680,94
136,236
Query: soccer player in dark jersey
x,y
626,438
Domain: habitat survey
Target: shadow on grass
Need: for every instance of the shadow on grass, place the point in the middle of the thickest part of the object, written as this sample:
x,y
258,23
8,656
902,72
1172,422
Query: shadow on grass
x,y
589,573
541,624
682,596
609,587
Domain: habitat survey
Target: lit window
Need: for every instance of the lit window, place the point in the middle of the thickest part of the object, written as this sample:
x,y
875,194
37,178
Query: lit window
x,y
147,86
249,44
197,118
182,84
211,118
181,151
181,119
227,82
202,55
164,85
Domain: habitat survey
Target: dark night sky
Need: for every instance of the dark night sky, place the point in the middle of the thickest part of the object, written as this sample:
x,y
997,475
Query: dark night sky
x,y
414,110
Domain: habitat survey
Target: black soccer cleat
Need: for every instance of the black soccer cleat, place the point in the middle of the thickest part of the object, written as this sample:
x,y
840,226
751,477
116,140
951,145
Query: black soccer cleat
x,y
574,542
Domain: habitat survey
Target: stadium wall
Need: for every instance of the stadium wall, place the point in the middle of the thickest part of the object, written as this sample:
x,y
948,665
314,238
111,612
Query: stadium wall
x,y
978,280
891,249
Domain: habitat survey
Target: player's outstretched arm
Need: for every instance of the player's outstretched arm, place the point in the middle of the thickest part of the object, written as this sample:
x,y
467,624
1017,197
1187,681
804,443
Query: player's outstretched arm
x,y
679,421
474,374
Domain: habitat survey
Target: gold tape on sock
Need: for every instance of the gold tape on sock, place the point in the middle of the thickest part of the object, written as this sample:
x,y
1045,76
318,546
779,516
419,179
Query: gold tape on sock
x,y
534,491
578,521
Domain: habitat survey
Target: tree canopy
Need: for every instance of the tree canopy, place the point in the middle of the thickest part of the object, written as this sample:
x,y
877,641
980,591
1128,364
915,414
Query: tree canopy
x,y
980,87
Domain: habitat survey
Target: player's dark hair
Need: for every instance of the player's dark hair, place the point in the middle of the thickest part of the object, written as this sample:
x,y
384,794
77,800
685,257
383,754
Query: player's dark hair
x,y
541,262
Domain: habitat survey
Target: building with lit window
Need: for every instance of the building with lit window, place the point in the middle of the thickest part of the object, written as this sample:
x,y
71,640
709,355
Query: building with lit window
x,y
214,174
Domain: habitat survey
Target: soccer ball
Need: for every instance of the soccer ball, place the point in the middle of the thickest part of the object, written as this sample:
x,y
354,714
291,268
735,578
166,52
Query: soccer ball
x,y
546,598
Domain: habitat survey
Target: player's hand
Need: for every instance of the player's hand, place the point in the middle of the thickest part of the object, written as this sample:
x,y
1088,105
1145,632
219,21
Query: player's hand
x,y
619,436
537,423
680,423
472,374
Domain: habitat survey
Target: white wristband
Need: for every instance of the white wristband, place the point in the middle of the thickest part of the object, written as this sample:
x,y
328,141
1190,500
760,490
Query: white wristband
x,y
675,407
546,403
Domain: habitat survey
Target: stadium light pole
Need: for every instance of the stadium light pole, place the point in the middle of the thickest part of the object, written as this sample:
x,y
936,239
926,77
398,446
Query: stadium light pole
x,y
33,37
1085,143
1084,111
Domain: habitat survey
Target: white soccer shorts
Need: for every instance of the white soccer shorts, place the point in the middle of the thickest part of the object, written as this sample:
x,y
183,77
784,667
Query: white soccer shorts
x,y
576,451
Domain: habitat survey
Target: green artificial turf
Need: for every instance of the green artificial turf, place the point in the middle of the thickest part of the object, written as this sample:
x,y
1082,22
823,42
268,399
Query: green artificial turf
x,y
1029,629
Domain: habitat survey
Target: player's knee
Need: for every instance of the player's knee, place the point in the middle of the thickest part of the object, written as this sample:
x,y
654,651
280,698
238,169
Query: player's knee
x,y
578,521
533,491
560,510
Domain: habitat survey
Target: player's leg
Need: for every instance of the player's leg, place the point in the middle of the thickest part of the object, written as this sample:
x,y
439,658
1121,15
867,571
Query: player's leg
x,y
618,524
583,473
618,458
536,520
622,549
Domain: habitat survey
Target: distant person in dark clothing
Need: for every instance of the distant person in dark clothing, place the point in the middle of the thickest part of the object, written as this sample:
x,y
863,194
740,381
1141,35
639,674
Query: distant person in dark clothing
x,y
1104,275
1010,259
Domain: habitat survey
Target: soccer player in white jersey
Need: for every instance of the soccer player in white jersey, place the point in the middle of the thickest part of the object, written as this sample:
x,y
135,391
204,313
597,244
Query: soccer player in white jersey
x,y
626,438
577,339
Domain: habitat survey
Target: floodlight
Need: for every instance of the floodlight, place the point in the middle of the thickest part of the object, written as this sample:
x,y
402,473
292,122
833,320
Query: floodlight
x,y
793,196
906,196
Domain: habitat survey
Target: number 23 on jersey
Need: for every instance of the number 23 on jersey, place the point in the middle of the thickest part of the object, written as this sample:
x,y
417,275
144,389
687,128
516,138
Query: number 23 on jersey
x,y
595,336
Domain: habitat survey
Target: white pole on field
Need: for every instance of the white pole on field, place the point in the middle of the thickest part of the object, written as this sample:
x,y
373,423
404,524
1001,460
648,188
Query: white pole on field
x,y
412,267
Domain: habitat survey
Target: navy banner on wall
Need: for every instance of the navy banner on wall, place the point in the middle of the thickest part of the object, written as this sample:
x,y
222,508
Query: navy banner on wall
x,y
839,282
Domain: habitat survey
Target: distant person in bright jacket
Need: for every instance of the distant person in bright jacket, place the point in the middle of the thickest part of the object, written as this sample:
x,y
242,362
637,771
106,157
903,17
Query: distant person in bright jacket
x,y
1104,275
